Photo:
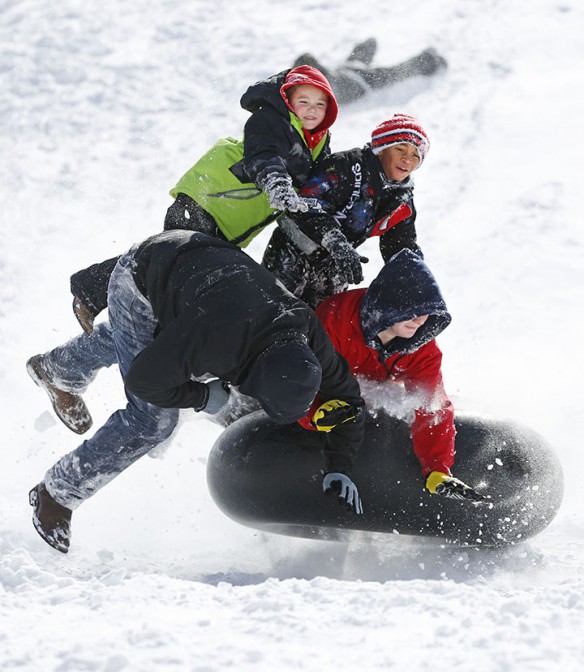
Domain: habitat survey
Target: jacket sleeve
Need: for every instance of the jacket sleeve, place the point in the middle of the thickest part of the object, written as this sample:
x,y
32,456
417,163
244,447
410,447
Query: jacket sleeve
x,y
399,237
265,144
307,229
160,374
344,441
433,432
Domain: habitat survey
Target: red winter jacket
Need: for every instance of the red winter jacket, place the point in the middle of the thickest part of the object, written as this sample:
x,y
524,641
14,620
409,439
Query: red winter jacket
x,y
433,430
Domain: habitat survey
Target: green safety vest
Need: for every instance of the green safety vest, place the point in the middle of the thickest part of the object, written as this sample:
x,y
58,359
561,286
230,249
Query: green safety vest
x,y
240,209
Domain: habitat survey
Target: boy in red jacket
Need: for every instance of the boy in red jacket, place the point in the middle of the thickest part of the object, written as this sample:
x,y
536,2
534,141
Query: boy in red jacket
x,y
387,332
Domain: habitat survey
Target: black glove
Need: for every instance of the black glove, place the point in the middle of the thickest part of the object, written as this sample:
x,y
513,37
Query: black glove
x,y
217,397
439,483
347,259
280,192
345,489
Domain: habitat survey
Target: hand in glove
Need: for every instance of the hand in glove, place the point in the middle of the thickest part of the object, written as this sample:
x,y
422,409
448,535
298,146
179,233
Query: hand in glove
x,y
345,256
332,413
281,194
345,489
217,397
448,486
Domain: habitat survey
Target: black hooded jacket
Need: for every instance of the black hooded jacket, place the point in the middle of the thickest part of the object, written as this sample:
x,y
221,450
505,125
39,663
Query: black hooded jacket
x,y
271,144
404,289
217,310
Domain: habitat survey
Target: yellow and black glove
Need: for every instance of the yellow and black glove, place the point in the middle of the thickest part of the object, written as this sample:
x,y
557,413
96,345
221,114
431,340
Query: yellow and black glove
x,y
332,413
439,483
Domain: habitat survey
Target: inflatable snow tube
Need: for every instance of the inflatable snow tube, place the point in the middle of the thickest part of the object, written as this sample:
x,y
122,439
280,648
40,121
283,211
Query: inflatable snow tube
x,y
269,477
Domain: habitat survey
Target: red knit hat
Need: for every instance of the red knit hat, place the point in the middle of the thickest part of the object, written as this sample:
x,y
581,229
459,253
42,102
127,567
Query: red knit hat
x,y
306,74
400,128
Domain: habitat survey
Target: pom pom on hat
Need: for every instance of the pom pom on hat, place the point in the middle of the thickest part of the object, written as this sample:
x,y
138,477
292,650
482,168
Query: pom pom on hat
x,y
400,128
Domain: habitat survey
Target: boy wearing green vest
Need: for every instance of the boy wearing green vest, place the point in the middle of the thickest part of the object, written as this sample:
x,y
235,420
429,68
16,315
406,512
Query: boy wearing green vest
x,y
239,187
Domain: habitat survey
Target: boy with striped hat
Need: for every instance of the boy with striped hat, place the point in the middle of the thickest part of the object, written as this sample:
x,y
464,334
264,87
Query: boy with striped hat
x,y
356,194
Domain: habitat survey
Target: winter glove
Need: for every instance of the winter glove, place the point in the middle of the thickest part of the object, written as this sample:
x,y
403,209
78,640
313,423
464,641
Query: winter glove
x,y
238,406
281,194
347,259
345,489
448,486
217,397
332,413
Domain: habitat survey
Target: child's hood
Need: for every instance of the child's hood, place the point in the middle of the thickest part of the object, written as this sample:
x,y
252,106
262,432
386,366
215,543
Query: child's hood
x,y
272,91
404,289
265,92
306,74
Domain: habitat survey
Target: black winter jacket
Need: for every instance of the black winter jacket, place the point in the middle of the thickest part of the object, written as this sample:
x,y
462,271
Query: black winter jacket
x,y
217,310
357,198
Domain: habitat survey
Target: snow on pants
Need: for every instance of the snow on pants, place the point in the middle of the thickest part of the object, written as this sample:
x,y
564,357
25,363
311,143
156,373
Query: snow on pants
x,y
129,433
74,365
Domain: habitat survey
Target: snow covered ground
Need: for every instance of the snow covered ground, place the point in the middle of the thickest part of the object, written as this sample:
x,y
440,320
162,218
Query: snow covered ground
x,y
103,105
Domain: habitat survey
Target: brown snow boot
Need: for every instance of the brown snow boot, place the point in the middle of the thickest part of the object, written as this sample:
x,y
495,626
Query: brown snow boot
x,y
50,519
70,408
84,315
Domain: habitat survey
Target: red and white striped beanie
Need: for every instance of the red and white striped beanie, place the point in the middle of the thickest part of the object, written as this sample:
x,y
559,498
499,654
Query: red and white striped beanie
x,y
400,128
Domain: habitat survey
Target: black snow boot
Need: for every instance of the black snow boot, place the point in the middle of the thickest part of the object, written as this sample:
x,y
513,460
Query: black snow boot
x,y
428,62
50,519
364,52
70,408
309,59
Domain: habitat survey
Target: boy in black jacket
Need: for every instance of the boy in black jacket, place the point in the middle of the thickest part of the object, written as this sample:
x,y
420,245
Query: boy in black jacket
x,y
358,194
190,315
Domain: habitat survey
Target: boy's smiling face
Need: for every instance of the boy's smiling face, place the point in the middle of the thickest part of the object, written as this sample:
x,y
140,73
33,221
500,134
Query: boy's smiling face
x,y
398,161
309,105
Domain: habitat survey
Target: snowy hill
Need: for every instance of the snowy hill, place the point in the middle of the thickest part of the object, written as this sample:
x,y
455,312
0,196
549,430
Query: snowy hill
x,y
103,105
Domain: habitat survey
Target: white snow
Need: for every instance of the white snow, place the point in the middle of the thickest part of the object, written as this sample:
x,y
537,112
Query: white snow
x,y
103,105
